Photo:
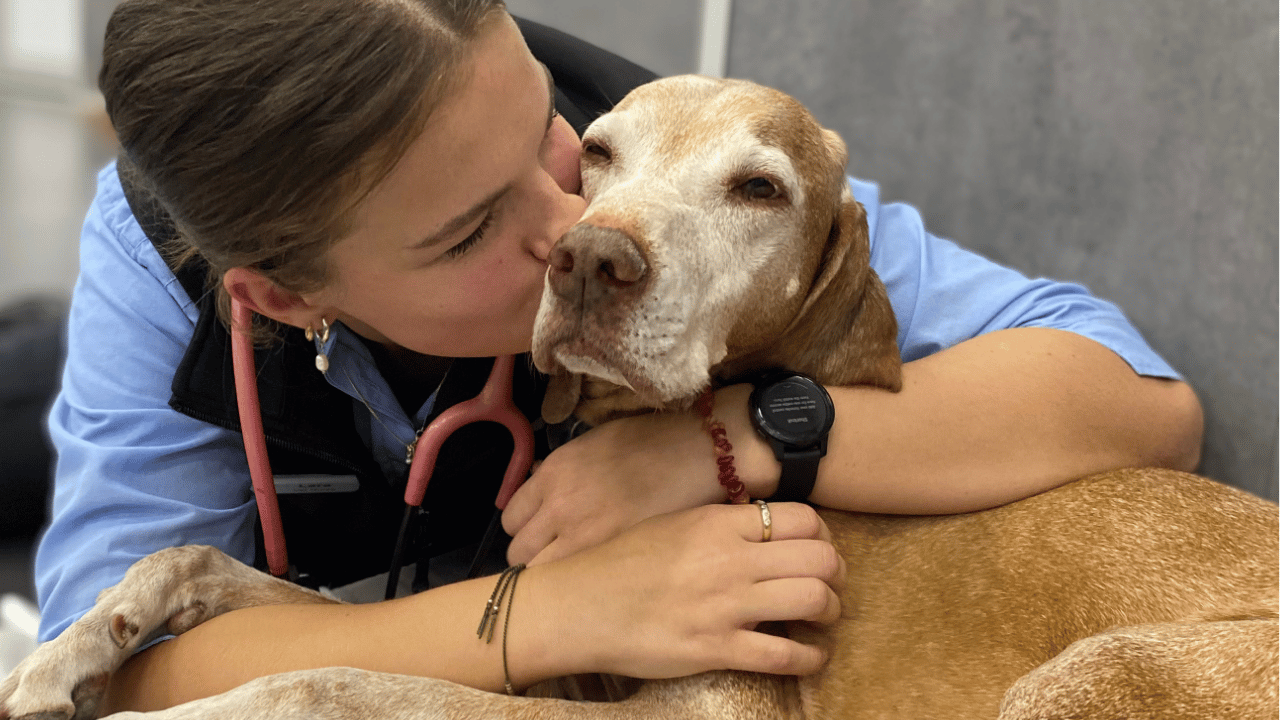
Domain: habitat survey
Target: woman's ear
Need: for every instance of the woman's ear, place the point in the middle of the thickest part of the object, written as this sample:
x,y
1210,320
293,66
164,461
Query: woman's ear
x,y
264,297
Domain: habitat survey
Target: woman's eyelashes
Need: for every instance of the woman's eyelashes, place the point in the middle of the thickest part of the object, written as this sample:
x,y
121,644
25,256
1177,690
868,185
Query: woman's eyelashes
x,y
477,235
470,241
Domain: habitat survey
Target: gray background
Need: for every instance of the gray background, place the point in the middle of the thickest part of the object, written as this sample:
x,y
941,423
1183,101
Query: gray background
x,y
661,35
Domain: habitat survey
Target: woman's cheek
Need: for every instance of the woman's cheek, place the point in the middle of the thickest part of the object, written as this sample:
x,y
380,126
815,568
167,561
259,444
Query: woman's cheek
x,y
563,157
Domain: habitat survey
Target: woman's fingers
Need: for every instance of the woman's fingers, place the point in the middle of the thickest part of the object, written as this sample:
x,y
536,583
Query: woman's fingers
x,y
798,559
532,540
678,593
752,651
788,521
798,598
521,508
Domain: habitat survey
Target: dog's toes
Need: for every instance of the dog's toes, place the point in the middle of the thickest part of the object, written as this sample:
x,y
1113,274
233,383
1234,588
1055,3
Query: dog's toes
x,y
188,617
87,697
83,704
122,631
59,713
20,707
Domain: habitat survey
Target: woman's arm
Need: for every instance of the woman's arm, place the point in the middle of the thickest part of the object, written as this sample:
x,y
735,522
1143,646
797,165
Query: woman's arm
x,y
990,420
133,475
673,596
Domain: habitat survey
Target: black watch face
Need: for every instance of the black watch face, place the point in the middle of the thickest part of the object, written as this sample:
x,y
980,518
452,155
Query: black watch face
x,y
794,411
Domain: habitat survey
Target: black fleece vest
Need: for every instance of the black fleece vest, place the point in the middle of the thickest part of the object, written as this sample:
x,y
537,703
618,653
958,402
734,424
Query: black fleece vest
x,y
311,428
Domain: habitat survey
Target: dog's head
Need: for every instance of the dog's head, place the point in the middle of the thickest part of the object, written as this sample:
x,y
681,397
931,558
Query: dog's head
x,y
720,238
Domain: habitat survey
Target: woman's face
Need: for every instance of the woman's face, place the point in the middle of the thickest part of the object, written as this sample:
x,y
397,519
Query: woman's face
x,y
450,249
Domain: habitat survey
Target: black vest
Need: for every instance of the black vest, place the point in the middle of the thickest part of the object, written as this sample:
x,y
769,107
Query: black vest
x,y
311,427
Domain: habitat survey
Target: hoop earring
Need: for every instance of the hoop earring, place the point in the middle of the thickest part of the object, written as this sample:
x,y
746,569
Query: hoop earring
x,y
320,339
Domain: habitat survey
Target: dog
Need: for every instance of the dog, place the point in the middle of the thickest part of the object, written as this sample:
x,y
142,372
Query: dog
x,y
721,238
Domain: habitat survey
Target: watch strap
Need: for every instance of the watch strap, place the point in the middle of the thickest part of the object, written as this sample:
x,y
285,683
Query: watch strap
x,y
799,474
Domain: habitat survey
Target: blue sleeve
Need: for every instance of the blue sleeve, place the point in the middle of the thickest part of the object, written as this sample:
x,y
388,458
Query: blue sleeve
x,y
943,294
133,475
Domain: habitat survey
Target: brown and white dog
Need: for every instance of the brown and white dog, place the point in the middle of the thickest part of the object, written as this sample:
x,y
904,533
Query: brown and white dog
x,y
721,238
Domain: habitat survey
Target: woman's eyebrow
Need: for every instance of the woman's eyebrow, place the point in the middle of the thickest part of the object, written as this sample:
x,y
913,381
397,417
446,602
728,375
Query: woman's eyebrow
x,y
469,216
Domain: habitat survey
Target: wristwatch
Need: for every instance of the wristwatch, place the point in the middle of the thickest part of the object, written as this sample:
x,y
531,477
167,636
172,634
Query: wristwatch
x,y
793,413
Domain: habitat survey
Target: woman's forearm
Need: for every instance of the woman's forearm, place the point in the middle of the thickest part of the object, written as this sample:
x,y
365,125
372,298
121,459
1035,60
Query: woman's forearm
x,y
991,420
432,634
677,594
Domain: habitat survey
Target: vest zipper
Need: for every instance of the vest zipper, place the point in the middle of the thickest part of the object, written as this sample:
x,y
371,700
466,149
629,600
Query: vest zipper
x,y
278,442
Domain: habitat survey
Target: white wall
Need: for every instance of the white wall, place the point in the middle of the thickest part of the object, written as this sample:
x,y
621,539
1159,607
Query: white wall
x,y
41,36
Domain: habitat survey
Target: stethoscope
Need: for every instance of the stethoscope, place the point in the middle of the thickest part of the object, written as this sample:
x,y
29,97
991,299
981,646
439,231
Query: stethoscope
x,y
493,404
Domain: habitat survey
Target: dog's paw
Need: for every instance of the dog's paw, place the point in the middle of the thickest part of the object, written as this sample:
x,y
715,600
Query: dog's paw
x,y
65,677
36,696
19,701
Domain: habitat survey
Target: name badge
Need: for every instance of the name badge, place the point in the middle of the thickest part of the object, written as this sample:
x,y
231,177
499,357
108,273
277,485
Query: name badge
x,y
315,484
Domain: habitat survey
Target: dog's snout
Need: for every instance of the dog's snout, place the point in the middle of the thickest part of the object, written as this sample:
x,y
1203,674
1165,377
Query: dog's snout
x,y
592,262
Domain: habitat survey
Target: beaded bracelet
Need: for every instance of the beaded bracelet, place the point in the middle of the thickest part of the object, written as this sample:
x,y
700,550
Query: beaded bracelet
x,y
728,474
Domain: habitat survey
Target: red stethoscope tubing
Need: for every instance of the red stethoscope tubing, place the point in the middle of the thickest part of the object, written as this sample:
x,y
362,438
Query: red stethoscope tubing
x,y
493,404
255,441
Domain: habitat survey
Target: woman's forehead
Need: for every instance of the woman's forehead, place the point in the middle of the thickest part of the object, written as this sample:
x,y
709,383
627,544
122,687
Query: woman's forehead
x,y
476,142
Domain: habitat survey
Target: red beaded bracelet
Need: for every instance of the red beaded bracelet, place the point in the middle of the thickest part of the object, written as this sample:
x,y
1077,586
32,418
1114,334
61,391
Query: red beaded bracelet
x,y
720,439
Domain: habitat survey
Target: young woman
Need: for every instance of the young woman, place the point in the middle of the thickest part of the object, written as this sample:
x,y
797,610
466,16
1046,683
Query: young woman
x,y
396,172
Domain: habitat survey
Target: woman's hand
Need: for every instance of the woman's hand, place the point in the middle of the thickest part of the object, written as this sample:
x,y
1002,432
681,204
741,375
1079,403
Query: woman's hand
x,y
682,593
609,479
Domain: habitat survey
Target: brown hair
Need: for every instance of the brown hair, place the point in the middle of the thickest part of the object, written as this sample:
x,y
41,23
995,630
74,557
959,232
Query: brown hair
x,y
260,126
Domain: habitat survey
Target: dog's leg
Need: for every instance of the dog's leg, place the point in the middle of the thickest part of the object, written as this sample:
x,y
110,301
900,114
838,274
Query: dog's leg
x,y
1193,671
349,694
169,591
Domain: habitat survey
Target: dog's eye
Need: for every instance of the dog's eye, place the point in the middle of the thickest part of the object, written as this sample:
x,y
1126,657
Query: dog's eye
x,y
758,188
596,150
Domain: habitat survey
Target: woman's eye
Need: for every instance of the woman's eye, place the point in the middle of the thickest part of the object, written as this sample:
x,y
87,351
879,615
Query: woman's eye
x,y
470,241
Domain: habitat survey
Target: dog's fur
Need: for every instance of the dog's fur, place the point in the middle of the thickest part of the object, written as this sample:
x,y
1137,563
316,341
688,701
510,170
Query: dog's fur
x,y
721,238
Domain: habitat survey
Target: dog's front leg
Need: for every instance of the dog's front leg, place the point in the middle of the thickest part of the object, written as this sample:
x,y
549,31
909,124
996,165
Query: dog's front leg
x,y
350,694
169,591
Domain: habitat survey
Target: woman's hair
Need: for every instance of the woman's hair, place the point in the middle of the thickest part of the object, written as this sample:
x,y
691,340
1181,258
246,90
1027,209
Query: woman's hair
x,y
260,125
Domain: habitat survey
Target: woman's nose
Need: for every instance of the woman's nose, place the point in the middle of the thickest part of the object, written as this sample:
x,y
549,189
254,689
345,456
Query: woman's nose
x,y
564,210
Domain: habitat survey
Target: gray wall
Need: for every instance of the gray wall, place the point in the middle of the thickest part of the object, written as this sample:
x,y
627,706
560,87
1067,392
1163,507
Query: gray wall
x,y
661,35
1131,146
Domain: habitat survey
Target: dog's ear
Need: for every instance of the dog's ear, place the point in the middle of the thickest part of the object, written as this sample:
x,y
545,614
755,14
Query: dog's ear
x,y
848,230
846,324
837,150
563,392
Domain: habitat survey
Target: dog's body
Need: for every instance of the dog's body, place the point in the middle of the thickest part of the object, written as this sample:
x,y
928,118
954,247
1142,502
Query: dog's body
x,y
721,239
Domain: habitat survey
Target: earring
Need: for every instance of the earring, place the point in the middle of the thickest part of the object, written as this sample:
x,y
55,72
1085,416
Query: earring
x,y
321,338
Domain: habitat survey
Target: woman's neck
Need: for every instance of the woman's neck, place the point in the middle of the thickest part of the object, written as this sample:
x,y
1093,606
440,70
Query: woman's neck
x,y
412,376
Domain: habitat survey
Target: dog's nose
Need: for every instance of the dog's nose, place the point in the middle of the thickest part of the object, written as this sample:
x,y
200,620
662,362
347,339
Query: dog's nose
x,y
591,262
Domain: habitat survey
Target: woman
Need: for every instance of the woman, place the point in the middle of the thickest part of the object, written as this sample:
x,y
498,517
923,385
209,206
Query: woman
x,y
395,173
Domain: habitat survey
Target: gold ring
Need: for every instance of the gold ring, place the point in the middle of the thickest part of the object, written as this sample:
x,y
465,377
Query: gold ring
x,y
767,518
